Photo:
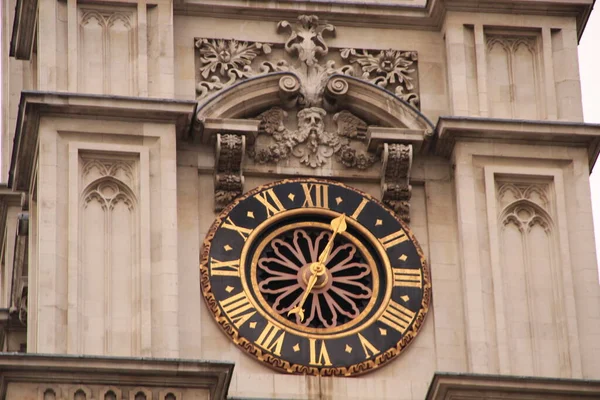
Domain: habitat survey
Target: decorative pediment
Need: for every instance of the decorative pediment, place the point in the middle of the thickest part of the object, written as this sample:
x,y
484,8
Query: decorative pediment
x,y
303,104
223,62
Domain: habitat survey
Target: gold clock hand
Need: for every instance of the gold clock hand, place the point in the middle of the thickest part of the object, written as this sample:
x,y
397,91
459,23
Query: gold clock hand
x,y
311,283
318,268
338,225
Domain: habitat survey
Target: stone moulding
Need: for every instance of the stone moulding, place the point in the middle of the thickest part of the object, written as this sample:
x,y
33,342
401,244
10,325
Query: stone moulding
x,y
450,130
249,98
446,386
146,375
34,104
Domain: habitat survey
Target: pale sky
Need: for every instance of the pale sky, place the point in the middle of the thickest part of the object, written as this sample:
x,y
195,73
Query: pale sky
x,y
589,68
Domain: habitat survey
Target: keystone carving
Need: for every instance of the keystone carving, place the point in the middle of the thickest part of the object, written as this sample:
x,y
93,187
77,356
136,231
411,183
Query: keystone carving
x,y
306,38
311,143
229,180
395,183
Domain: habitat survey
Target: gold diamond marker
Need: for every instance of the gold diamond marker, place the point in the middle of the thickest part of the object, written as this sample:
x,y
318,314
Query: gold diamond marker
x,y
348,349
291,196
227,247
228,289
403,257
250,214
296,347
378,222
382,331
252,325
338,200
405,298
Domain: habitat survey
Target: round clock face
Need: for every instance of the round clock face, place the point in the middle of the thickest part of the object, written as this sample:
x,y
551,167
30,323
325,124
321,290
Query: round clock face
x,y
312,276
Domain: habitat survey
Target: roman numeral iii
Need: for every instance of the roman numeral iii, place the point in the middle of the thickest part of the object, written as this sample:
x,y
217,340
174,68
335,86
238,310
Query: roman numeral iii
x,y
397,316
407,277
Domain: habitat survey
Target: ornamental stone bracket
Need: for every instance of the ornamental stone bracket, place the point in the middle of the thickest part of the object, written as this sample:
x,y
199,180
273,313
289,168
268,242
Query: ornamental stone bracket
x,y
396,147
230,137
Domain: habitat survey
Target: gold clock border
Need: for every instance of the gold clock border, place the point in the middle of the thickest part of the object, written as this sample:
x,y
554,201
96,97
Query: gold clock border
x,y
283,365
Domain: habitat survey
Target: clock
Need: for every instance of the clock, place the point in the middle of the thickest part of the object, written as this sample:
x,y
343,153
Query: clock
x,y
311,276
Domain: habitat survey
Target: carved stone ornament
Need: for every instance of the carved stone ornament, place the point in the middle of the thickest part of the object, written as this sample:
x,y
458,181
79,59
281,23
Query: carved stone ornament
x,y
222,62
310,142
390,69
225,61
229,181
312,90
395,182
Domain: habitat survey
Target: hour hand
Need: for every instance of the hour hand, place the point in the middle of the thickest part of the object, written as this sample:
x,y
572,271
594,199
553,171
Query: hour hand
x,y
297,310
315,269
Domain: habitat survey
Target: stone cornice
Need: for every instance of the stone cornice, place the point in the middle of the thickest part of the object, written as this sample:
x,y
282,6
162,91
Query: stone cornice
x,y
554,133
33,104
213,376
23,33
446,386
386,14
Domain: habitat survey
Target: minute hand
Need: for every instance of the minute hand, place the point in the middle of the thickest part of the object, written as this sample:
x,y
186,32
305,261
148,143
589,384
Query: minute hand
x,y
338,225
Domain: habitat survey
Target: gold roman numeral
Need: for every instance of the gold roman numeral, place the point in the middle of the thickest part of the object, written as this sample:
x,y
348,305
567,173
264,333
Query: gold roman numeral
x,y
269,340
394,239
244,232
323,354
407,277
359,209
367,346
224,268
319,197
396,316
269,199
238,309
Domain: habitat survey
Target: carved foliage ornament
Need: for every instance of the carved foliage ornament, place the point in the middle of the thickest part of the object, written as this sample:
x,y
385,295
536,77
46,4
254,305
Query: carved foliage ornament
x,y
310,142
225,61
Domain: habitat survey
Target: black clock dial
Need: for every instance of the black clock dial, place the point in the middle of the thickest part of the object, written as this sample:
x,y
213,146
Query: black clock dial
x,y
312,276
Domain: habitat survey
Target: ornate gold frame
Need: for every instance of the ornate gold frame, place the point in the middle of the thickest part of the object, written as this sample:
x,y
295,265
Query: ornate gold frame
x,y
279,363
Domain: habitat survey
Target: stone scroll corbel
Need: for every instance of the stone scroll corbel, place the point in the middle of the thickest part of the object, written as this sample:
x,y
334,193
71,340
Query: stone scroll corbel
x,y
230,137
396,147
395,178
229,180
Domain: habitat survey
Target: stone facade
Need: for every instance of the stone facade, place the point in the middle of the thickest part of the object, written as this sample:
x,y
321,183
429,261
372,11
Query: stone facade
x,y
128,124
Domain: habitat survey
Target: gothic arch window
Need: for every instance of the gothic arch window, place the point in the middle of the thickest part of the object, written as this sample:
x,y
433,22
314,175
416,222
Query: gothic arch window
x,y
530,286
106,39
108,272
513,75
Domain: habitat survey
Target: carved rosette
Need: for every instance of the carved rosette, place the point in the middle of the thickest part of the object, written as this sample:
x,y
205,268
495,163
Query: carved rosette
x,y
390,69
223,62
395,182
229,181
